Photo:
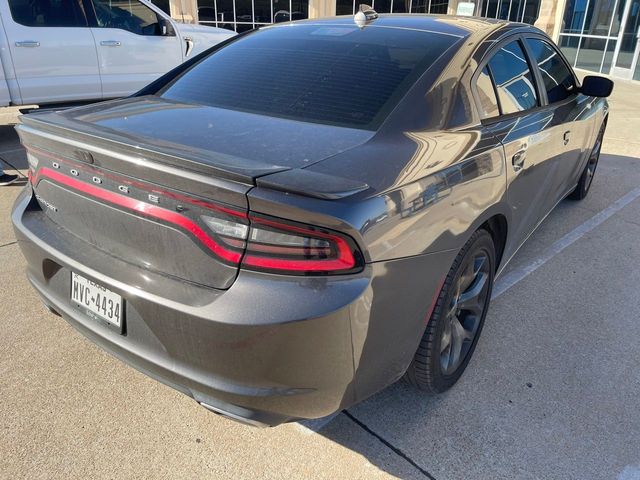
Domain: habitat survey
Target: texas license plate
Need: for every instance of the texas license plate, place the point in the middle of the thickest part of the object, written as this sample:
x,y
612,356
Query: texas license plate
x,y
97,301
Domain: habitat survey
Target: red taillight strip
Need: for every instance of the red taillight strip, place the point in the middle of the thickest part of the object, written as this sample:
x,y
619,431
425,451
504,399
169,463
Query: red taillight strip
x,y
344,261
297,265
140,207
142,186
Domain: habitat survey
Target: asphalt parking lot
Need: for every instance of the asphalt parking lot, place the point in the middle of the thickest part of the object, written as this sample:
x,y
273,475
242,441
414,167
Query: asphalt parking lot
x,y
552,391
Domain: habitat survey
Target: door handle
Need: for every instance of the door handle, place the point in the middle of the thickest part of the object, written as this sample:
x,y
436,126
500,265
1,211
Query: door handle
x,y
110,43
518,159
189,42
28,44
567,137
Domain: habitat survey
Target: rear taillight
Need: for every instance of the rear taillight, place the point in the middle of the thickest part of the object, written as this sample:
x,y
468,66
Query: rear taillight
x,y
229,233
284,247
254,241
280,246
33,165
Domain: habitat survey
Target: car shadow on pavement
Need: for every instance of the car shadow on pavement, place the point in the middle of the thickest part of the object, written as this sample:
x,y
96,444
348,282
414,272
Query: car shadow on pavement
x,y
12,154
402,426
509,415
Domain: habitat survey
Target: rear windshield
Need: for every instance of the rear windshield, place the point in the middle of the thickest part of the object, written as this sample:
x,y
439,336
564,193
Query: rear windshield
x,y
332,74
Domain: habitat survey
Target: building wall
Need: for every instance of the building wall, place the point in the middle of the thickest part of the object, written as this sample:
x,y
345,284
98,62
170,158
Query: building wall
x,y
184,10
322,8
550,18
590,32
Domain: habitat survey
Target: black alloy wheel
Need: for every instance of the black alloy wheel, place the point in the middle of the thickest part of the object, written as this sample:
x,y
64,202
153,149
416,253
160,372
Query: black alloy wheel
x,y
584,184
462,318
457,319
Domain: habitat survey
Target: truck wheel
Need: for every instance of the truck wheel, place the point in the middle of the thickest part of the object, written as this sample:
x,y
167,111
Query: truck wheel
x,y
457,318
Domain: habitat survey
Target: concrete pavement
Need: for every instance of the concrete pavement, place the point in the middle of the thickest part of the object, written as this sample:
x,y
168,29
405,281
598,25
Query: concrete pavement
x,y
552,391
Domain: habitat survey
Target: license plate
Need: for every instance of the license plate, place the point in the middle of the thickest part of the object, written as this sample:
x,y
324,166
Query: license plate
x,y
97,301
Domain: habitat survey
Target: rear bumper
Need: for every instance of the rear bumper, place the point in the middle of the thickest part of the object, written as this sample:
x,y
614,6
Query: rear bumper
x,y
269,349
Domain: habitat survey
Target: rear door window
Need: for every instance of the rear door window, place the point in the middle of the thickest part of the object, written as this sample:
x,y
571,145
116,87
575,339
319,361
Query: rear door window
x,y
513,78
487,94
332,74
47,13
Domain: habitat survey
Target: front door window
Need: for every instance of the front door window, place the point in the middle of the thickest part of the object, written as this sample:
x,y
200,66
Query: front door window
x,y
129,15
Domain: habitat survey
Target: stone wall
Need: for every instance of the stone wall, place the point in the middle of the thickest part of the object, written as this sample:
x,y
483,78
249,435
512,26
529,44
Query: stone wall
x,y
184,10
322,8
550,17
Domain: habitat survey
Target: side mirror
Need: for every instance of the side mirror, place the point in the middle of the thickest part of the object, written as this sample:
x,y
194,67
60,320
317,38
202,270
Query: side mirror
x,y
594,86
166,28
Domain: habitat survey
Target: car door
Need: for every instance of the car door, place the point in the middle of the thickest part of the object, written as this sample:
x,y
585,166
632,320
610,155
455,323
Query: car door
x,y
133,50
572,121
522,125
53,52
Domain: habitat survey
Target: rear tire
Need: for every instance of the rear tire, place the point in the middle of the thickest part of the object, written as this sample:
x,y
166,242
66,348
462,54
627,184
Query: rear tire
x,y
586,179
457,318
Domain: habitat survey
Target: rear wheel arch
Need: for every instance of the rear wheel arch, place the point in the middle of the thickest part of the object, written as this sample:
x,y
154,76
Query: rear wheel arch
x,y
498,228
495,220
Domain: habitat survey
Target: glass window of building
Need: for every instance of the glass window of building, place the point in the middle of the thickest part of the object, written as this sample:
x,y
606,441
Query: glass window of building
x,y
243,15
350,7
590,32
526,11
429,6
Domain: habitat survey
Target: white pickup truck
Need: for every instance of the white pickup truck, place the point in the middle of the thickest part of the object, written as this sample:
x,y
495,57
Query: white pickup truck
x,y
67,51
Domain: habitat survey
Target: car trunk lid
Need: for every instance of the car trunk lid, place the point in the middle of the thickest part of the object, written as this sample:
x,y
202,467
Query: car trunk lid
x,y
142,179
229,144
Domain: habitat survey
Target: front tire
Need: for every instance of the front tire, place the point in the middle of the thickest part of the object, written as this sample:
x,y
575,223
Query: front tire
x,y
586,179
457,318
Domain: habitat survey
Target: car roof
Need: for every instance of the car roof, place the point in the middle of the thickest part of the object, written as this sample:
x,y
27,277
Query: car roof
x,y
460,26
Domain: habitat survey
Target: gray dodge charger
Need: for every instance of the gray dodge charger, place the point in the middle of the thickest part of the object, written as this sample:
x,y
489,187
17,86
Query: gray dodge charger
x,y
302,215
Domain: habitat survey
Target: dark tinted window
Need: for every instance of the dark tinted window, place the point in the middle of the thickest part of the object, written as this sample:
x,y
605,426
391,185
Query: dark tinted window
x,y
558,80
335,74
163,5
514,80
130,15
487,94
47,13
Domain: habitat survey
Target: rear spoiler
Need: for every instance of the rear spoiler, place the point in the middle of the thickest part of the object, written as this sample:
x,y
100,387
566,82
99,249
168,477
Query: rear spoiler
x,y
55,127
312,184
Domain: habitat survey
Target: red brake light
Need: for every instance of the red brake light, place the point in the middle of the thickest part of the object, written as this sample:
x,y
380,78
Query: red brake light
x,y
282,247
256,242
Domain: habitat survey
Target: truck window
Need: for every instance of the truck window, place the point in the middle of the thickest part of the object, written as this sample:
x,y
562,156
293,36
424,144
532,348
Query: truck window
x,y
47,13
129,15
